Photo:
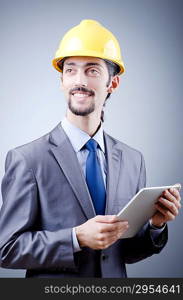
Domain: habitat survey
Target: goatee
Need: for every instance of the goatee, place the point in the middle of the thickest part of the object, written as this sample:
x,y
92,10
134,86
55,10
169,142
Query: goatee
x,y
79,112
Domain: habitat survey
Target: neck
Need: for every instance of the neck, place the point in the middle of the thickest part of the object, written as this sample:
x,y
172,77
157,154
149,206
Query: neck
x,y
89,123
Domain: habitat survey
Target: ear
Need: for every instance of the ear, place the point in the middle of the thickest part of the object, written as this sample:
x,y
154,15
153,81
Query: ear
x,y
61,81
115,81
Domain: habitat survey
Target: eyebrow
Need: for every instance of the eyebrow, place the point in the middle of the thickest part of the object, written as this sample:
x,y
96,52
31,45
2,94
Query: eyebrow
x,y
86,65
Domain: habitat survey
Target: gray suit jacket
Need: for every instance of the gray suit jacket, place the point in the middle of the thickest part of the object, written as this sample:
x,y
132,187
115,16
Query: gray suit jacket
x,y
45,195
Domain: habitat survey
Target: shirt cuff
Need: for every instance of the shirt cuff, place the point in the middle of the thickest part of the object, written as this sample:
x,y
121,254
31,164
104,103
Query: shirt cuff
x,y
155,231
76,246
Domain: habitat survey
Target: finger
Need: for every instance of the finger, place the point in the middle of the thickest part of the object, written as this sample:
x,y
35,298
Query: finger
x,y
110,235
105,245
107,227
169,196
166,213
168,205
120,231
110,239
114,239
106,219
175,193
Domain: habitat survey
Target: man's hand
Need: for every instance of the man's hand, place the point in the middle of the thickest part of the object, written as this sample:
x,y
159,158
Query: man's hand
x,y
100,232
167,206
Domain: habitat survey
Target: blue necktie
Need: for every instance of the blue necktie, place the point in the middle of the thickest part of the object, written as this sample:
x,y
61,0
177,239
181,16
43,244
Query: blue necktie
x,y
94,178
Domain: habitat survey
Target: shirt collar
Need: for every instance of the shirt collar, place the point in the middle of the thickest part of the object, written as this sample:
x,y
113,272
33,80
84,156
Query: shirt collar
x,y
79,138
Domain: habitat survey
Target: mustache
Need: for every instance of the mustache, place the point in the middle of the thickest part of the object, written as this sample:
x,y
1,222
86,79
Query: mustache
x,y
82,89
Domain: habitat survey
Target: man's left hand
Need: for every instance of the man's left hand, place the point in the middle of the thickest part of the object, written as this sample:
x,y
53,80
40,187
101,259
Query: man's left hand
x,y
168,205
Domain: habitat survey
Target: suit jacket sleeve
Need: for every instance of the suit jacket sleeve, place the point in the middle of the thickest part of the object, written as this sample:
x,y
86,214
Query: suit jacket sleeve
x,y
144,244
22,245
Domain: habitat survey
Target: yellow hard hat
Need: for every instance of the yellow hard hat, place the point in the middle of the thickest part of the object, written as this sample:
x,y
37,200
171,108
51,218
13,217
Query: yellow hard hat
x,y
89,38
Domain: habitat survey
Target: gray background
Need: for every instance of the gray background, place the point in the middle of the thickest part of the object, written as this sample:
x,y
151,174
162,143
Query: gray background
x,y
145,112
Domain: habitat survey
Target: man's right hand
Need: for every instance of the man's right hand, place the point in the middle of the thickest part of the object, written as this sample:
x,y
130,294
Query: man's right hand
x,y
100,232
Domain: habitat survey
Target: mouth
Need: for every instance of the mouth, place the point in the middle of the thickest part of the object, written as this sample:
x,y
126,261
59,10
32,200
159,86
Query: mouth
x,y
82,96
81,93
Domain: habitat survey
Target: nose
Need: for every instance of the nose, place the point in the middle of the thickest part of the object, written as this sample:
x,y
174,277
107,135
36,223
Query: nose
x,y
80,79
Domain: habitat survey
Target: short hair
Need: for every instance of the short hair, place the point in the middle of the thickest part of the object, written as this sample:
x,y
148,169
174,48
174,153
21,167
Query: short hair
x,y
113,70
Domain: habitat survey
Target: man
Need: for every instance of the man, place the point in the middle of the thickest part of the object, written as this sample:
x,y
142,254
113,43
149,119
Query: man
x,y
61,193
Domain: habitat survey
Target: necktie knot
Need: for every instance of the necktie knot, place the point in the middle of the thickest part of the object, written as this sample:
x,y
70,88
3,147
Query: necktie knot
x,y
91,145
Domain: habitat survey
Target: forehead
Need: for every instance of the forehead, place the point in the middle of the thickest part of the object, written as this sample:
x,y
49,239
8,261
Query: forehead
x,y
83,61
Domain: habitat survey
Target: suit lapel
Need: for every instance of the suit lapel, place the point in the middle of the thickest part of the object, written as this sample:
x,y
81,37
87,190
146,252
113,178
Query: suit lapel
x,y
67,159
113,155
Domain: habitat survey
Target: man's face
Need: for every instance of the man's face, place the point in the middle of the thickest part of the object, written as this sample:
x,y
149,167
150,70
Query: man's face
x,y
84,82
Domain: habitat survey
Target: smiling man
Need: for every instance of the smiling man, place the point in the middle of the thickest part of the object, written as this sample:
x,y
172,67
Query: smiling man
x,y
86,82
83,72
61,193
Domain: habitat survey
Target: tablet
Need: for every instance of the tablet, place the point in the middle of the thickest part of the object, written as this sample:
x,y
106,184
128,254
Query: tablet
x,y
141,208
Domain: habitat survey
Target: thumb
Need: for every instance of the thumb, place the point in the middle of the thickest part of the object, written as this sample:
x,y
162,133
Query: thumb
x,y
106,219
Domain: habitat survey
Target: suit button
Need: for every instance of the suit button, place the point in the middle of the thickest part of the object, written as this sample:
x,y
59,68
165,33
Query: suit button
x,y
104,256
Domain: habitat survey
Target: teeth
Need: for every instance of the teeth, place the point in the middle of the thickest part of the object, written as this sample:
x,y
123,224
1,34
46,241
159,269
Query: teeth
x,y
80,95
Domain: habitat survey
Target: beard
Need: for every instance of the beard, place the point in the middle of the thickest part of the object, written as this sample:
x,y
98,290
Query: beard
x,y
81,112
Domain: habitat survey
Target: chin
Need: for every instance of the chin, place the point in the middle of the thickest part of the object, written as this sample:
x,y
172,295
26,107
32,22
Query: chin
x,y
84,111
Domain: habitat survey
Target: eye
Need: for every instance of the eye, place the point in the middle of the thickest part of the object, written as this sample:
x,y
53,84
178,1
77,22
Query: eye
x,y
68,70
93,71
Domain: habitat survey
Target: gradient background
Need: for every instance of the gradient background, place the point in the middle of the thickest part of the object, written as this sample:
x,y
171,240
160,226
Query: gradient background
x,y
145,112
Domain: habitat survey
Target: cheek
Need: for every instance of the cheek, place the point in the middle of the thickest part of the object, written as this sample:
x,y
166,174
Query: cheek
x,y
103,90
66,85
97,85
